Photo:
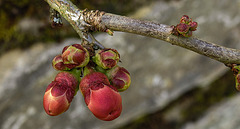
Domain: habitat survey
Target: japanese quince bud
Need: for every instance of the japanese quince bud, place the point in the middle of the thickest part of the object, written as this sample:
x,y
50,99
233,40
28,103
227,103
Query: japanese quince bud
x,y
107,58
69,79
193,26
237,78
184,19
57,63
119,78
188,34
59,94
182,28
75,56
102,99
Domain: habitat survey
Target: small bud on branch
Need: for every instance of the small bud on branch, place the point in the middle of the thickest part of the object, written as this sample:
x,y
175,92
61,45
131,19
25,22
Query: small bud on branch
x,y
185,27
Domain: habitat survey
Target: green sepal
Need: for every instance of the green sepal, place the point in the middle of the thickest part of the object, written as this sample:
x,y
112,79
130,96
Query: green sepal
x,y
76,72
87,70
100,69
237,83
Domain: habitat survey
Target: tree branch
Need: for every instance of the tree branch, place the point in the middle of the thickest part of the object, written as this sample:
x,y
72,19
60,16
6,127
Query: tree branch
x,y
81,19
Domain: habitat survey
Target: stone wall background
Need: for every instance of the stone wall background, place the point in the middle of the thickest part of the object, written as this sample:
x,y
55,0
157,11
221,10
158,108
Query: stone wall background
x,y
161,73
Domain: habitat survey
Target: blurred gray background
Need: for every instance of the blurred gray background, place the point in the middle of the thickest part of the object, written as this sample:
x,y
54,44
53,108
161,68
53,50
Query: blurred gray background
x,y
172,88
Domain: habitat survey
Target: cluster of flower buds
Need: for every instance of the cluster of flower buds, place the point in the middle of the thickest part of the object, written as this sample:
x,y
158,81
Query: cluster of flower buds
x,y
185,27
95,73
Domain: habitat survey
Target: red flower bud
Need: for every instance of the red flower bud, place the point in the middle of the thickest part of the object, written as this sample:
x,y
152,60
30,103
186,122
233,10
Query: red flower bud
x,y
93,80
75,56
184,19
57,63
105,103
102,99
107,58
119,78
182,28
193,26
68,78
59,94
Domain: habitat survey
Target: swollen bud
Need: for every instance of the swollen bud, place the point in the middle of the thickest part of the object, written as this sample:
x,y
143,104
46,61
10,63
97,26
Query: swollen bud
x,y
105,103
193,26
185,27
92,80
119,77
59,94
75,56
57,63
184,19
107,58
69,78
102,99
182,28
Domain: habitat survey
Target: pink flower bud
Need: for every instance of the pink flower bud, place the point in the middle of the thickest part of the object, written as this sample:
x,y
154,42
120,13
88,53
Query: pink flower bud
x,y
119,78
184,19
182,28
107,58
193,26
57,63
59,94
105,103
102,99
75,56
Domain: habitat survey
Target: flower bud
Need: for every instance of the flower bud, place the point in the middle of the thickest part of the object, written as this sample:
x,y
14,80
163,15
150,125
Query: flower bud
x,y
94,79
59,94
237,78
75,56
57,63
107,58
119,78
188,34
182,28
184,19
102,99
68,78
105,103
193,26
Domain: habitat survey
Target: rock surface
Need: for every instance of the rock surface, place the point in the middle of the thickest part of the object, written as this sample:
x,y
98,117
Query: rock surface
x,y
160,72
224,115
